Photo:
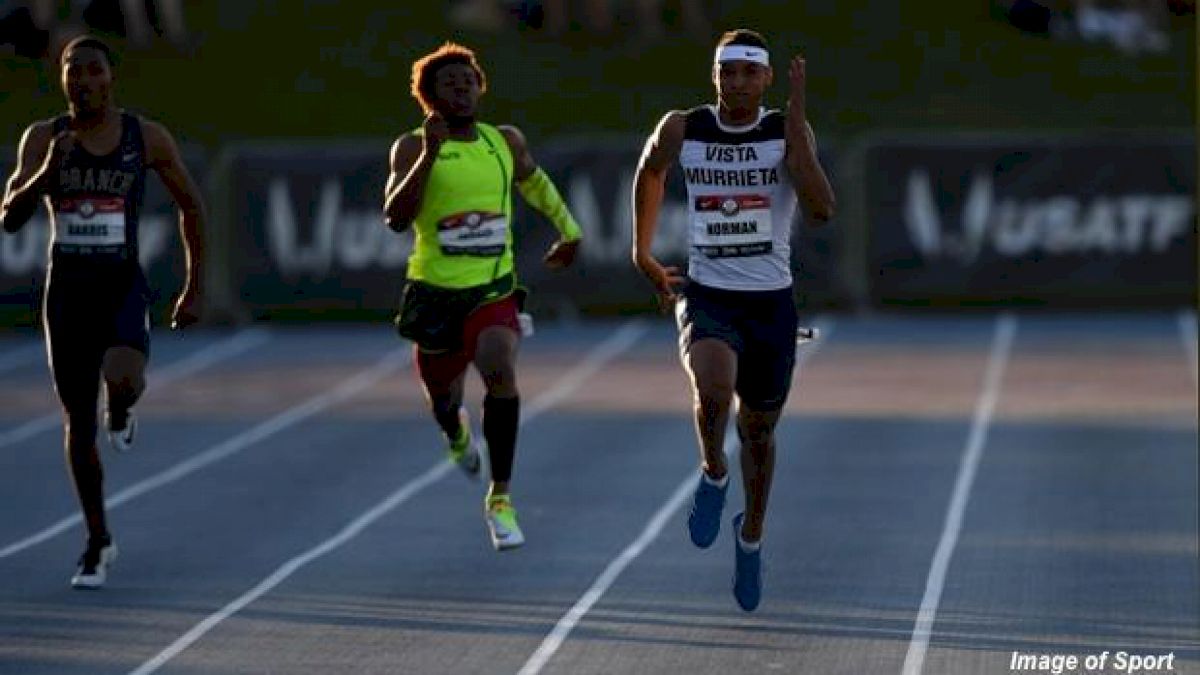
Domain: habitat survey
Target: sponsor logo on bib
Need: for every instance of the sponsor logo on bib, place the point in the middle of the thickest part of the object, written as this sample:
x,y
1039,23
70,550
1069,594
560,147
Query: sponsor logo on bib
x,y
473,233
89,223
732,226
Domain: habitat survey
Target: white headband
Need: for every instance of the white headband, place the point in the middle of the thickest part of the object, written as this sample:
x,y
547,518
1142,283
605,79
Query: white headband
x,y
742,53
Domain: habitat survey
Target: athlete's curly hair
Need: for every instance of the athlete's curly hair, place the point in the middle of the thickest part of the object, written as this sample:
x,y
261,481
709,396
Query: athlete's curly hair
x,y
425,69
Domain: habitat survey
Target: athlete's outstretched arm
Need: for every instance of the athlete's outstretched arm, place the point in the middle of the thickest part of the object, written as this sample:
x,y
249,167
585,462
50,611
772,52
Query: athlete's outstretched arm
x,y
162,155
410,162
812,185
649,185
539,191
30,179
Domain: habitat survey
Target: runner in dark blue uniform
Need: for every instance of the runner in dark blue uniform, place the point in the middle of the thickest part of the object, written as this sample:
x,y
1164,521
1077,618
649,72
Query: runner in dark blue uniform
x,y
89,168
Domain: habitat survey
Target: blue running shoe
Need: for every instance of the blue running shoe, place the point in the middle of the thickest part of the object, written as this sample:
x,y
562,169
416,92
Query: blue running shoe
x,y
704,519
747,571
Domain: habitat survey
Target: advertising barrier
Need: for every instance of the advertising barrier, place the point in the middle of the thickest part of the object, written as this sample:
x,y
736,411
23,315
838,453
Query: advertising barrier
x,y
1084,221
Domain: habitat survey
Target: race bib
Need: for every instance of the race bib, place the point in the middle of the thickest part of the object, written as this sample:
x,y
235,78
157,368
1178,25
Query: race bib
x,y
89,222
732,226
474,233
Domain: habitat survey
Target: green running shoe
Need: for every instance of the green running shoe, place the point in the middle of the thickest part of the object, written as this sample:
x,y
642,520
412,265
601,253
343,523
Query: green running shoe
x,y
502,525
464,451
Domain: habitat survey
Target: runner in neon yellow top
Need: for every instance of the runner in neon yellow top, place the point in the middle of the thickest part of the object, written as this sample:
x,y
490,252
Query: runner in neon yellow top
x,y
463,237
451,181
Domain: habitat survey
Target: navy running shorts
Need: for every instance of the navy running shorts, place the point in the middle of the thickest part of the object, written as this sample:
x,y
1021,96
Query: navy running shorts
x,y
86,312
760,327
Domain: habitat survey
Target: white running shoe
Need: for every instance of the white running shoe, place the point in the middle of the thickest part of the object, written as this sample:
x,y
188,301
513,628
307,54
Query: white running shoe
x,y
94,564
122,439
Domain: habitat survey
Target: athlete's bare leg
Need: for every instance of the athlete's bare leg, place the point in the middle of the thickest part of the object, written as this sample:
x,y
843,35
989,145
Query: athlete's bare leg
x,y
712,367
443,390
124,371
756,429
496,359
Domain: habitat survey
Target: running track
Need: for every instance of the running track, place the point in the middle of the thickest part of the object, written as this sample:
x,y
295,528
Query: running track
x,y
948,490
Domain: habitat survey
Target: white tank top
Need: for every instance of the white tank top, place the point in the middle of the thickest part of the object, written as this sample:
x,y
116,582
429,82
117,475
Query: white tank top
x,y
740,201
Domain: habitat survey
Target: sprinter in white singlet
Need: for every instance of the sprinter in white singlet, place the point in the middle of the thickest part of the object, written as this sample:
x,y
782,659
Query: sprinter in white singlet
x,y
746,168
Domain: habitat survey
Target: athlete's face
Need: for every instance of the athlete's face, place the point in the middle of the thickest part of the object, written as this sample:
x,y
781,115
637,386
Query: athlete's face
x,y
456,89
741,84
87,79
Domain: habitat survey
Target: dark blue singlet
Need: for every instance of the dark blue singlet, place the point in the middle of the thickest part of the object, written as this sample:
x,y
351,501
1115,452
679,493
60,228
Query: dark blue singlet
x,y
96,291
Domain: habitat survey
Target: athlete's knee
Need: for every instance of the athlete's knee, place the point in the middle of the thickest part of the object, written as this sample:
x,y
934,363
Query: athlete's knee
x,y
500,382
497,365
756,427
126,385
496,348
124,367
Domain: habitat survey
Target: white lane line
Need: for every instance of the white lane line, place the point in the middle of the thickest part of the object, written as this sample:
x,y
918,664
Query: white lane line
x,y
1006,329
621,340
20,356
554,640
211,355
356,384
1187,333
227,348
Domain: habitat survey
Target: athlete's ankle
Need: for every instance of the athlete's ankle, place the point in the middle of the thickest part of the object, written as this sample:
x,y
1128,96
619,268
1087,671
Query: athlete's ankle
x,y
749,539
715,474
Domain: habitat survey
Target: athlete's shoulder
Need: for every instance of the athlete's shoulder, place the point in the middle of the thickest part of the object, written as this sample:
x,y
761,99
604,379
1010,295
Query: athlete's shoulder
x,y
699,121
513,136
35,140
153,130
506,130
43,128
672,124
159,144
405,150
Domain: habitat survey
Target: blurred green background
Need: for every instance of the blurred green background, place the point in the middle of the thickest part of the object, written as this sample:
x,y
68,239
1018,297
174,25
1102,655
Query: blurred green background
x,y
321,68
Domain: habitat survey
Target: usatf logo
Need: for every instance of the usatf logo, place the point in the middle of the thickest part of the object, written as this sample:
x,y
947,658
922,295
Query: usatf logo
x,y
1056,224
87,209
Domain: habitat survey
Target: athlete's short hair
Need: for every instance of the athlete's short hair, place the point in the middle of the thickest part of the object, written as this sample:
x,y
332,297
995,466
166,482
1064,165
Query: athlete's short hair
x,y
89,42
425,70
742,36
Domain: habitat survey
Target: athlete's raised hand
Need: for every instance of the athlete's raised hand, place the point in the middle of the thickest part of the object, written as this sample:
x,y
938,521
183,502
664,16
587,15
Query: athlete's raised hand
x,y
436,130
561,254
797,82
